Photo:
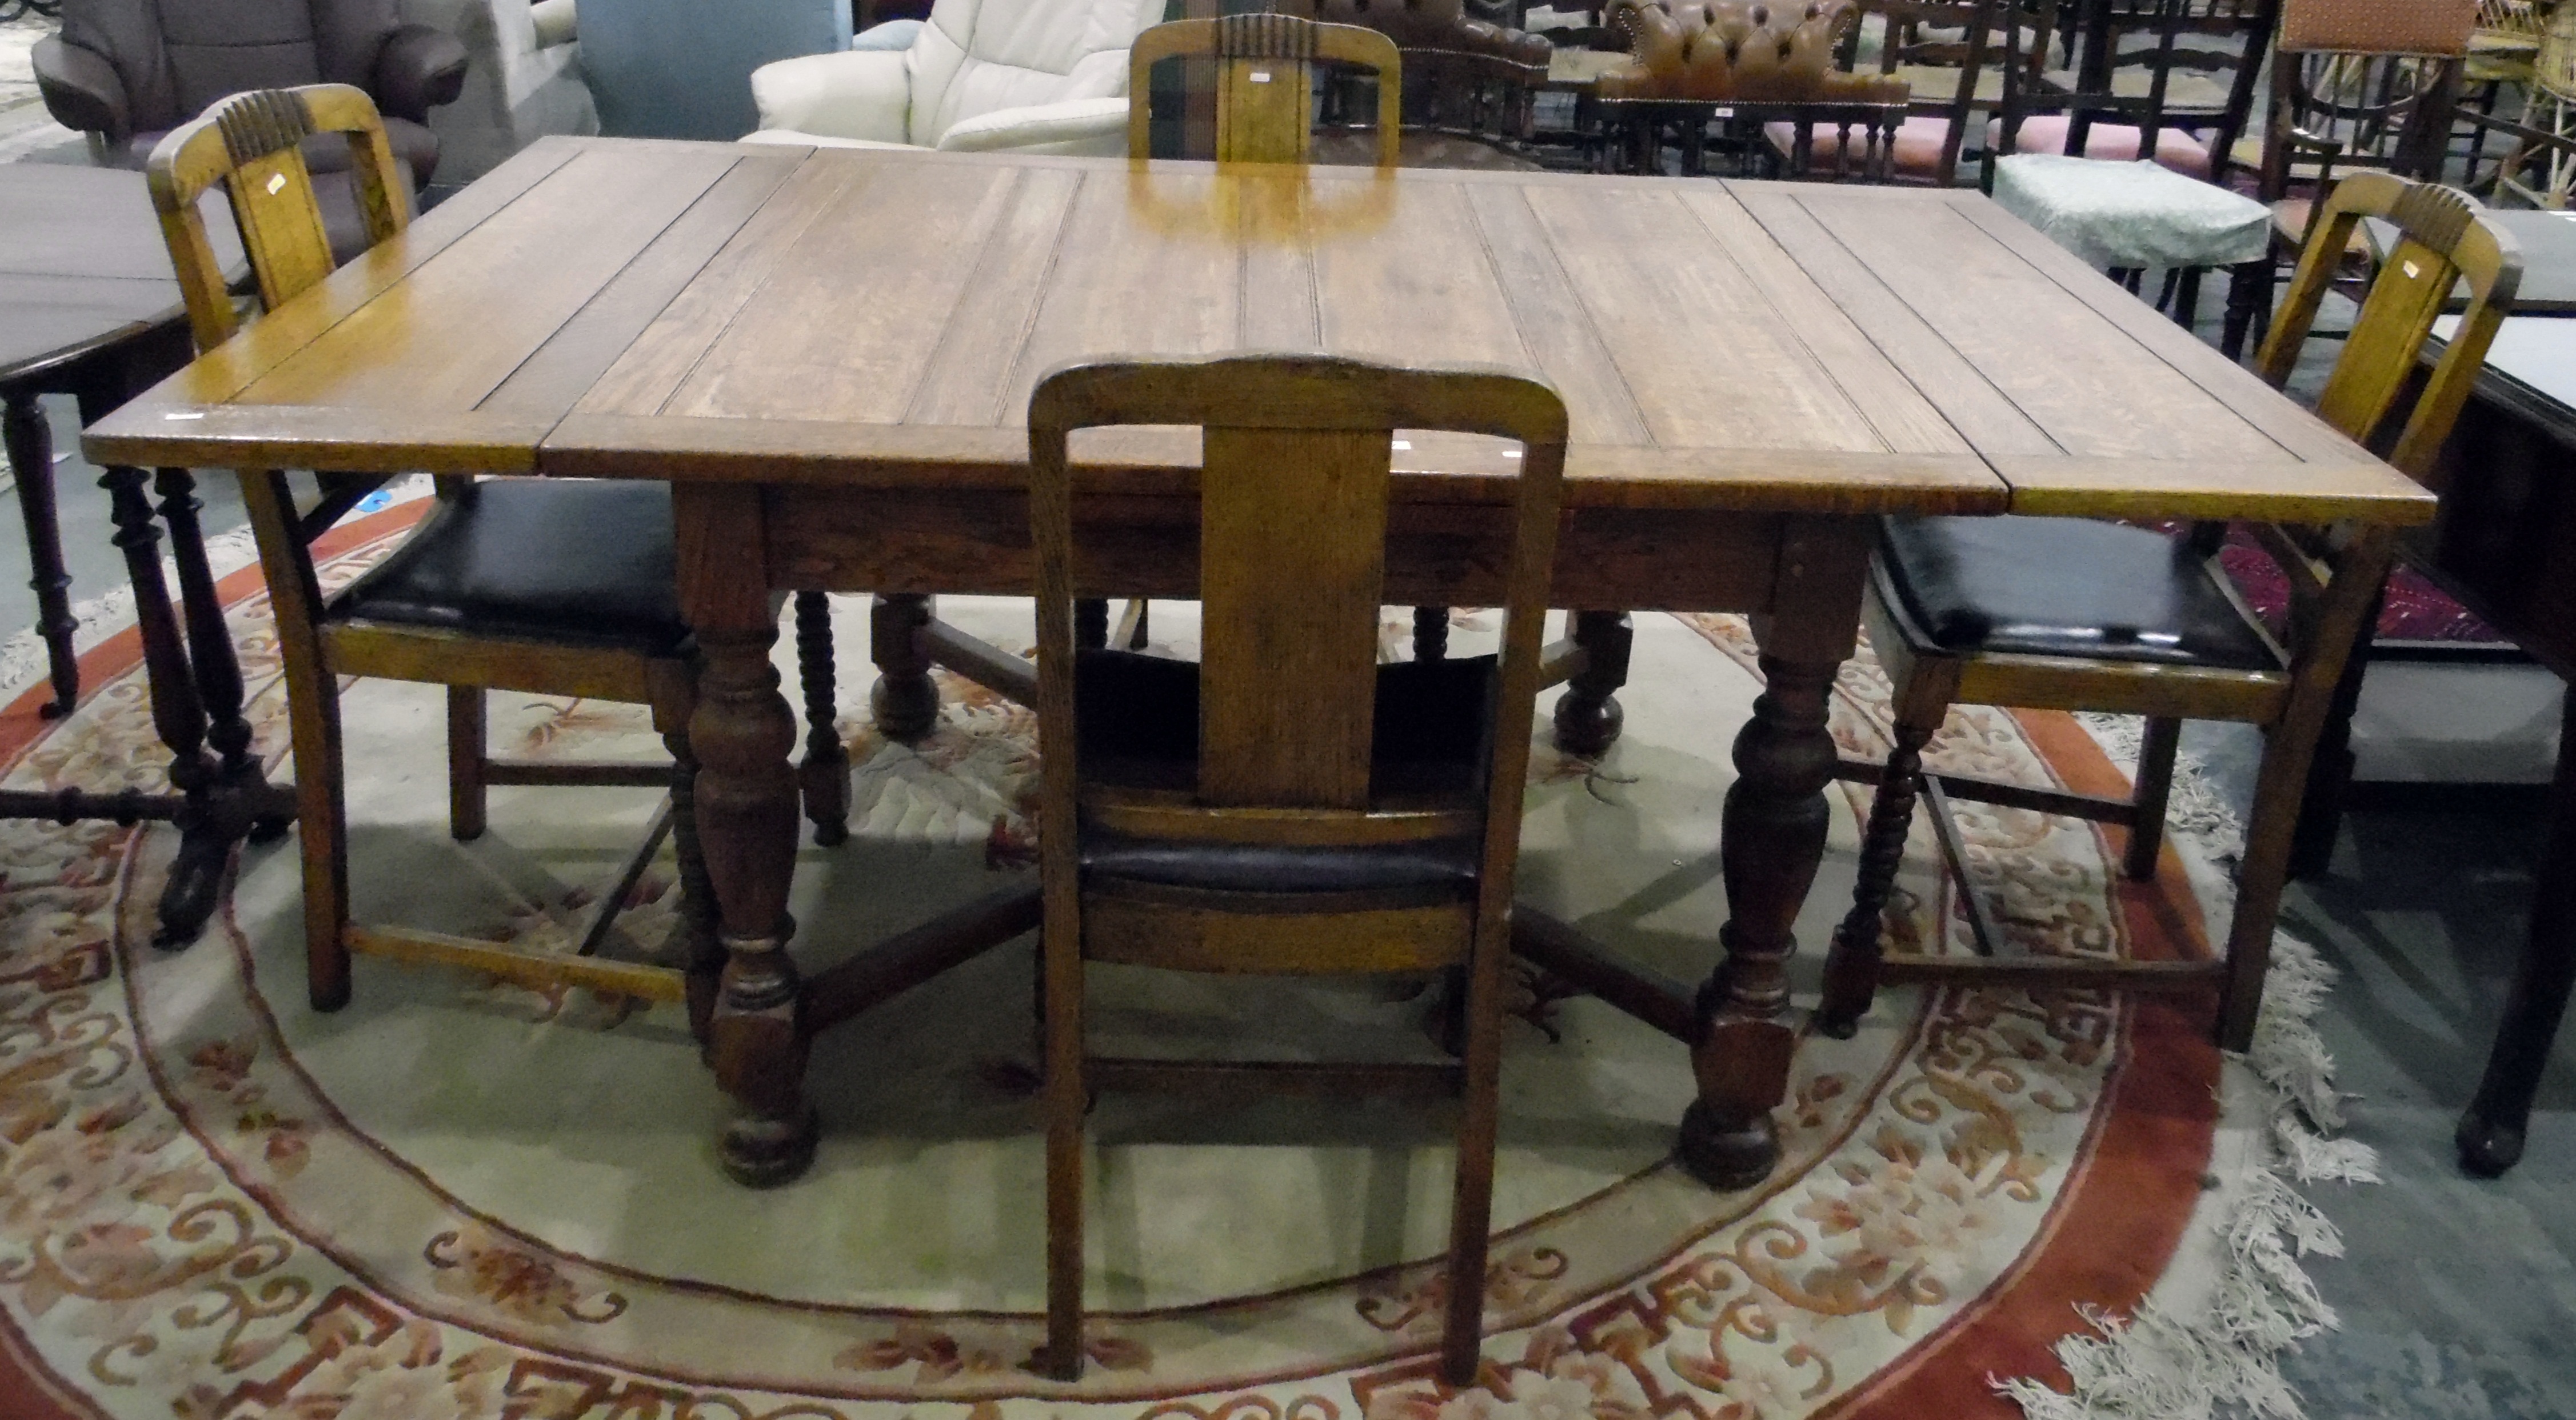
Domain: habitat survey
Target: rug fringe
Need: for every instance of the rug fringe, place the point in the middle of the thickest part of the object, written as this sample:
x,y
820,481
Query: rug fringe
x,y
2171,1367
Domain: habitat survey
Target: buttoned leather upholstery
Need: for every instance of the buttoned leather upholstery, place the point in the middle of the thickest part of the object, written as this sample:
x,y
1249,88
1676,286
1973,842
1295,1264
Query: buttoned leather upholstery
x,y
569,561
2065,587
1139,719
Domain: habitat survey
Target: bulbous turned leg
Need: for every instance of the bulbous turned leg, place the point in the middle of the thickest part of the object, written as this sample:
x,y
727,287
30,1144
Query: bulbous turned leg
x,y
1772,840
824,777
1851,968
1587,716
1772,837
746,812
905,700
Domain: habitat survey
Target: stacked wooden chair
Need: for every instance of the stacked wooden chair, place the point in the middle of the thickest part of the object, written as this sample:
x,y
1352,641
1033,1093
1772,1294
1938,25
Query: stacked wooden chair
x,y
1286,805
2133,181
2069,614
551,587
1949,53
2356,86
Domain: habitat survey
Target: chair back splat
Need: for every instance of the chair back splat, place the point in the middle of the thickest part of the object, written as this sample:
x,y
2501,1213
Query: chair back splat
x,y
1265,90
1286,806
250,143
2442,244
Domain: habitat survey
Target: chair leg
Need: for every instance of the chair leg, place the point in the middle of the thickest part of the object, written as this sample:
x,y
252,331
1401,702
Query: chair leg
x,y
2186,297
1065,1099
2260,878
1471,1205
2154,790
1135,628
2249,305
1431,633
703,954
1090,623
468,755
824,778
313,715
1851,966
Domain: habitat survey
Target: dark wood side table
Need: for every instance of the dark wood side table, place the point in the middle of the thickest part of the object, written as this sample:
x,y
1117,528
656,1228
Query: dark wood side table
x,y
2502,545
89,307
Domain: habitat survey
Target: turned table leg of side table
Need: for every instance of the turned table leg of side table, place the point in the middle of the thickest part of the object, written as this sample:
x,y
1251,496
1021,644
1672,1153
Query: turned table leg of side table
x,y
1772,839
2490,1135
236,801
31,454
747,816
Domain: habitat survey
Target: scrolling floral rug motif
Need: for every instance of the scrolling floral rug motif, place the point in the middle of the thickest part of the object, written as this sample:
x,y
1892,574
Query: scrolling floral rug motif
x,y
459,1199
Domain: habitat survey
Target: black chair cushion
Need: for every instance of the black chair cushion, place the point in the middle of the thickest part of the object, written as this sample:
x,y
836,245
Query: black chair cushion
x,y
583,562
1245,867
2065,587
1139,724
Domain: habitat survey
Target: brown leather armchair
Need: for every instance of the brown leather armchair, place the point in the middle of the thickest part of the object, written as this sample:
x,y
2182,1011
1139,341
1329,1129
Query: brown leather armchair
x,y
128,71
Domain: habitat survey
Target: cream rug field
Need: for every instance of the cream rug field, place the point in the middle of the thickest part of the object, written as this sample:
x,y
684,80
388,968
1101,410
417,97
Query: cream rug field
x,y
456,1198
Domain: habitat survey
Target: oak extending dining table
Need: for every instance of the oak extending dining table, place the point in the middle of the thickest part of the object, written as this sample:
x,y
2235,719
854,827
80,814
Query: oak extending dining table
x,y
827,353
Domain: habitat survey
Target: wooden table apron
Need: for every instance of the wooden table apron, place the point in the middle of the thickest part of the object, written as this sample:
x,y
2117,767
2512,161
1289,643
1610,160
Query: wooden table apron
x,y
828,353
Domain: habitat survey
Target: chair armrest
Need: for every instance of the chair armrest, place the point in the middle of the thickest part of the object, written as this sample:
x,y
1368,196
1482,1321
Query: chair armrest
x,y
556,23
418,69
1090,122
81,89
864,93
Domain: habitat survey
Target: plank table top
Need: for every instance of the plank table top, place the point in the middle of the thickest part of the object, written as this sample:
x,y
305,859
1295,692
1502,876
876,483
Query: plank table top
x,y
720,312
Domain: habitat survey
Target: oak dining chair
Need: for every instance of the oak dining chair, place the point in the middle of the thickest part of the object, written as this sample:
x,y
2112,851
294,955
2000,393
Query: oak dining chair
x,y
553,587
2072,614
1287,805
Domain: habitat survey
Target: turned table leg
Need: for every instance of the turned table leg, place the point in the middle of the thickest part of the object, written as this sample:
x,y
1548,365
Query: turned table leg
x,y
236,800
746,807
1587,715
177,715
2490,1135
905,700
1772,838
31,453
825,774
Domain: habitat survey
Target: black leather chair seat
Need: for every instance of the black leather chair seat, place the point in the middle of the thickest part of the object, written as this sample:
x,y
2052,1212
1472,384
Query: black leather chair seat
x,y
576,561
2065,587
1243,867
1139,718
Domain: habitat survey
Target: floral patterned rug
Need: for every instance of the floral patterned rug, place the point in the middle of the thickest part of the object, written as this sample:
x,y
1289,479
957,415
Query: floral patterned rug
x,y
458,1198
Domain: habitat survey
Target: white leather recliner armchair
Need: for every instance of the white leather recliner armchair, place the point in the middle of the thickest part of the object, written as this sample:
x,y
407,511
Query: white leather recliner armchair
x,y
1038,76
